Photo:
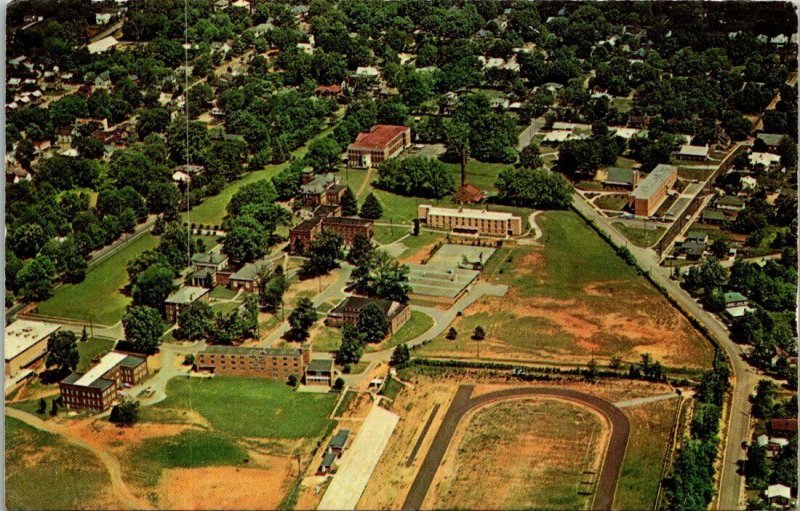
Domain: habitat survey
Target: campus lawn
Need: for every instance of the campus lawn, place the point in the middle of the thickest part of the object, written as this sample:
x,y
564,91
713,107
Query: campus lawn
x,y
213,209
45,472
386,234
481,174
417,324
90,349
252,407
612,202
99,297
640,237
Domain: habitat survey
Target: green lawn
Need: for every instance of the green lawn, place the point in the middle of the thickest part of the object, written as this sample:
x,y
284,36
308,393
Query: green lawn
x,y
90,349
252,407
641,470
99,297
625,163
386,234
417,324
687,173
45,472
640,237
481,174
212,210
345,404
612,202
190,449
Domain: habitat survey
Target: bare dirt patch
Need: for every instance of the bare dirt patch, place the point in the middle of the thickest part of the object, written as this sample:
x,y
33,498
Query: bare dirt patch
x,y
106,436
227,487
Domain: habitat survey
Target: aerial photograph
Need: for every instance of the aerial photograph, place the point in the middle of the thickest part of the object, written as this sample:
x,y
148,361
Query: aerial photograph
x,y
400,255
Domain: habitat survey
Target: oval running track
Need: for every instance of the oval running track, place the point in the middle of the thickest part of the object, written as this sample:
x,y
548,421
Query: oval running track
x,y
463,403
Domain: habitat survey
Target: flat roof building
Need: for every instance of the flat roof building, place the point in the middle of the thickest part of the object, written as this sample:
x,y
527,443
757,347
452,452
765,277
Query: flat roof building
x,y
25,342
693,152
183,297
97,389
471,221
652,190
271,363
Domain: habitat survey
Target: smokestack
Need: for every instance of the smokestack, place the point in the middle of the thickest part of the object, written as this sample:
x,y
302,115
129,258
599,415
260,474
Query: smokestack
x,y
463,166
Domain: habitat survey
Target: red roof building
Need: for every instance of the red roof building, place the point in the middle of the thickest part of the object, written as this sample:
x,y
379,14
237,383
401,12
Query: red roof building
x,y
783,426
329,91
468,194
377,145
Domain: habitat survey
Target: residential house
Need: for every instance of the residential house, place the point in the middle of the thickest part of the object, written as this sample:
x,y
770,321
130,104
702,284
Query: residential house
x,y
338,442
246,277
713,216
468,194
693,152
771,141
782,426
328,461
730,203
765,161
778,495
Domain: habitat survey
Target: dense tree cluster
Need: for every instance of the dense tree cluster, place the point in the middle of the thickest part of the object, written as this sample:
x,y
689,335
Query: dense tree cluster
x,y
415,176
539,189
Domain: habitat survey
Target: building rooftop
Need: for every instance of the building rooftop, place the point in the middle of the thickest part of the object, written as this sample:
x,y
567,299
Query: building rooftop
x,y
187,294
468,193
734,297
468,213
620,175
319,184
693,150
653,181
328,459
765,159
102,45
345,220
132,361
730,200
249,271
319,365
22,334
713,214
308,225
378,137
238,350
108,362
209,258
339,439
778,490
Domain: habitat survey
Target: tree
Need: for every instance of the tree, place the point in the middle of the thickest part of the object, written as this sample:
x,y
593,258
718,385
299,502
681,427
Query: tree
x,y
143,327
372,323
348,203
54,407
388,278
479,333
338,384
324,154
756,467
360,249
352,346
451,334
245,239
35,279
323,255
126,413
293,380
539,188
764,400
62,351
529,157
42,406
417,176
195,320
301,319
152,286
75,265
371,208
271,287
400,356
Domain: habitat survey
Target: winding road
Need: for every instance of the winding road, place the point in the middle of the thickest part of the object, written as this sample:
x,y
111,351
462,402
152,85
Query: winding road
x,y
463,403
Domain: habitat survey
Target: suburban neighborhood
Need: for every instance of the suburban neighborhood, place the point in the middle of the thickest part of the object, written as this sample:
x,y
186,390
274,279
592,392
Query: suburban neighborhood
x,y
355,254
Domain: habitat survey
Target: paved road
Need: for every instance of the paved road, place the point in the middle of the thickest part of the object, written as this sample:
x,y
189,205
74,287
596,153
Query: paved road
x,y
745,378
118,486
463,403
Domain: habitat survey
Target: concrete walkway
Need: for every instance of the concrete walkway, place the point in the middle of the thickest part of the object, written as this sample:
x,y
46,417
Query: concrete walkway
x,y
645,400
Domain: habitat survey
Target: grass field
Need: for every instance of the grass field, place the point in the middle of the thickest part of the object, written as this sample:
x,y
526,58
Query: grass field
x,y
570,299
387,234
417,324
252,407
99,297
639,237
212,210
612,202
503,462
190,449
90,349
44,472
651,426
692,173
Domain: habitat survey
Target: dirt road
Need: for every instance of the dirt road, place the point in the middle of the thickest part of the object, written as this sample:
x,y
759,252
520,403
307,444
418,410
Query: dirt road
x,y
118,486
463,402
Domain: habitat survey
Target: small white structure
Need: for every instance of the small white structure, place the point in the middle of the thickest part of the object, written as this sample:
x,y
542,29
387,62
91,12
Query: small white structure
x,y
103,45
767,160
748,182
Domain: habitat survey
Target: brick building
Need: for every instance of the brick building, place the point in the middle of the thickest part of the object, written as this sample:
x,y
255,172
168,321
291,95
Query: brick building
x,y
273,363
303,234
380,143
183,297
320,189
652,190
470,221
97,389
346,313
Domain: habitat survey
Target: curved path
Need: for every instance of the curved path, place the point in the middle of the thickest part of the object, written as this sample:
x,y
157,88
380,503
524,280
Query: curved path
x,y
118,486
464,403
